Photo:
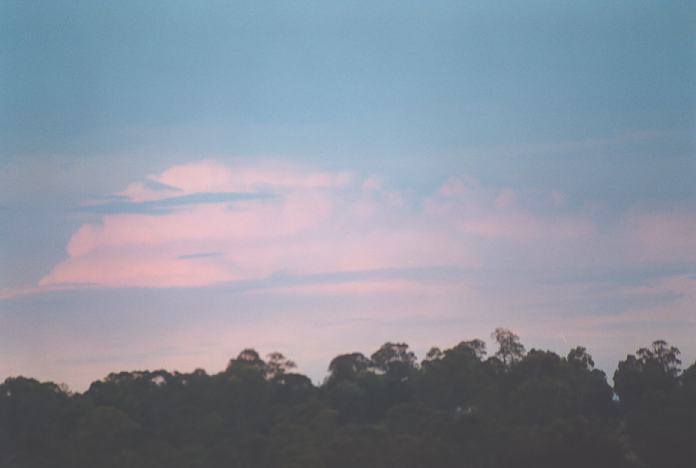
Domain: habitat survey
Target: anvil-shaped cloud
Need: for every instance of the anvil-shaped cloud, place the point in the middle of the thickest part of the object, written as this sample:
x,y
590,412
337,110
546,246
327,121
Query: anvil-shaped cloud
x,y
206,223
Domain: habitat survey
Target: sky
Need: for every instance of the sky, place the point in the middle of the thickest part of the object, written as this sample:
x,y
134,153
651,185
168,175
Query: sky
x,y
181,180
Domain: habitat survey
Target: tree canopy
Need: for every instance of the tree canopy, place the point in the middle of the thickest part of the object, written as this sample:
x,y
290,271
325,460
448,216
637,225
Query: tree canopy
x,y
457,408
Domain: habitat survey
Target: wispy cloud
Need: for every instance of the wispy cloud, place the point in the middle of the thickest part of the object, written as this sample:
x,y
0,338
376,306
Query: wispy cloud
x,y
199,255
167,205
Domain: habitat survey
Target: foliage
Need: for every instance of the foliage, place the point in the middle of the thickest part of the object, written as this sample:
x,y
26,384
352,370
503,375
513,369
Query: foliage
x,y
458,408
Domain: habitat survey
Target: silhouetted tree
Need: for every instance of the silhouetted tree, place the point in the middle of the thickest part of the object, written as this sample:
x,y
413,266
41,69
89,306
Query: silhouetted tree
x,y
477,347
434,354
248,358
347,367
579,356
510,350
458,410
278,365
650,392
393,356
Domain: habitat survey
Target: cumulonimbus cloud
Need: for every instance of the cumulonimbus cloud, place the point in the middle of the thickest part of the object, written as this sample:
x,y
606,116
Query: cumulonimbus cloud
x,y
285,218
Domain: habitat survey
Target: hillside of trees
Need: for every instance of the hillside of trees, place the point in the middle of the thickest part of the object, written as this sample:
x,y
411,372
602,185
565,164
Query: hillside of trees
x,y
460,407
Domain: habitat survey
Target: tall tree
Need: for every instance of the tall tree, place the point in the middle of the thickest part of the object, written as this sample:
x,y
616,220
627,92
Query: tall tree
x,y
391,357
347,367
655,414
510,350
277,365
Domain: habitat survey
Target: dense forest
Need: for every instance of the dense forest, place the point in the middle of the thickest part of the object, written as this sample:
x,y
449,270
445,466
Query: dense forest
x,y
458,407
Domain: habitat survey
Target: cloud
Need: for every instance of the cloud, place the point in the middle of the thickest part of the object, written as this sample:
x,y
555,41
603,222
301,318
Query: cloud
x,y
212,176
259,221
167,205
207,223
655,236
199,255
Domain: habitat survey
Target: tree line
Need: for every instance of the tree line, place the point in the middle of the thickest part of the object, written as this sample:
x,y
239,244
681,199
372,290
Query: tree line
x,y
457,407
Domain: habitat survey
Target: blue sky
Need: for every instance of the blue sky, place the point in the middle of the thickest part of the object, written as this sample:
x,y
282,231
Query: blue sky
x,y
481,164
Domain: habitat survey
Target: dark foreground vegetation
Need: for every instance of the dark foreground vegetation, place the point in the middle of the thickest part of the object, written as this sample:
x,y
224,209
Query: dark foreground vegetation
x,y
457,408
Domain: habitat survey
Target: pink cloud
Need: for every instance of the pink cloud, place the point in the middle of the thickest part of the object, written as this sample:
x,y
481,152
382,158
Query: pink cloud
x,y
506,199
476,211
319,221
372,286
308,227
213,176
138,267
662,235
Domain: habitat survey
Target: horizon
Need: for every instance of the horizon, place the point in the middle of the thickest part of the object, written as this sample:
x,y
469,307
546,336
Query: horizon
x,y
320,380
